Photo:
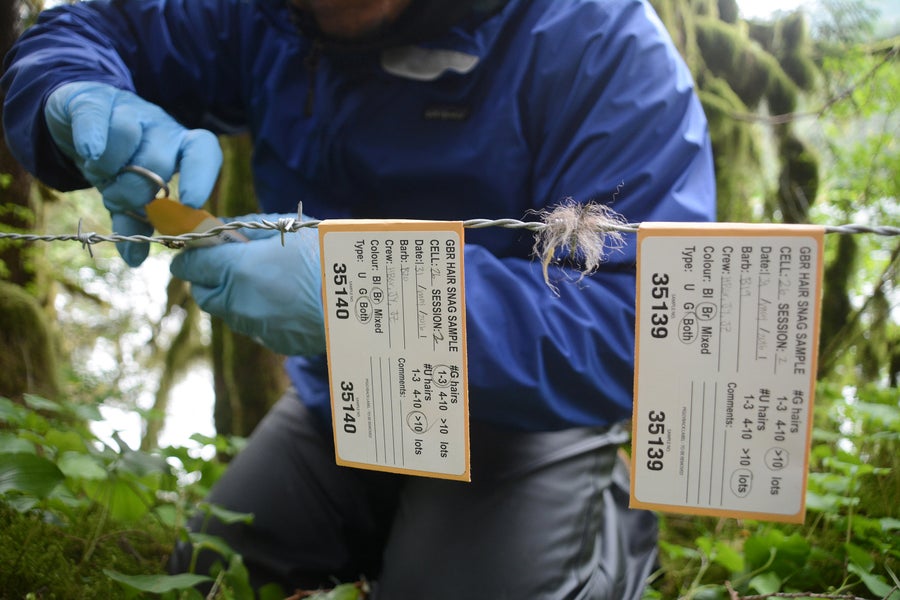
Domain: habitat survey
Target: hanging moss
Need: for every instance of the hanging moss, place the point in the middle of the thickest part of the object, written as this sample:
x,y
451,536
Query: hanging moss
x,y
678,18
894,362
719,43
874,348
752,75
728,54
836,306
728,11
792,48
735,150
801,70
799,179
793,32
781,93
737,66
28,361
705,8
763,33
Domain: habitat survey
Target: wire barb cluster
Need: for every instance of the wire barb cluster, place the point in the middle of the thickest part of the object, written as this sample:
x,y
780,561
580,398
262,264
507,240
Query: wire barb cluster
x,y
294,225
585,233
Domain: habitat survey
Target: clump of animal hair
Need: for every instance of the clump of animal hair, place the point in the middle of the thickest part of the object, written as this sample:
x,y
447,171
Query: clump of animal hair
x,y
586,232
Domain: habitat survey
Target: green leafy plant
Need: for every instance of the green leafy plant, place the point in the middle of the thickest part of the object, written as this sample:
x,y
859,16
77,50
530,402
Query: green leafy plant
x,y
84,518
849,545
91,519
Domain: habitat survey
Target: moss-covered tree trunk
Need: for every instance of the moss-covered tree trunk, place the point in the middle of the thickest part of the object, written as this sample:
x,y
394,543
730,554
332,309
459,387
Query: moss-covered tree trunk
x,y
28,361
744,73
27,350
16,211
248,377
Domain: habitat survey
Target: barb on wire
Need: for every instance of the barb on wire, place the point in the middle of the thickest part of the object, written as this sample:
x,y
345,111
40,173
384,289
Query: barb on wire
x,y
85,239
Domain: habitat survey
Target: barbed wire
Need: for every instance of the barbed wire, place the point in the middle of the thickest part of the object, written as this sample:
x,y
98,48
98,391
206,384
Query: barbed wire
x,y
293,225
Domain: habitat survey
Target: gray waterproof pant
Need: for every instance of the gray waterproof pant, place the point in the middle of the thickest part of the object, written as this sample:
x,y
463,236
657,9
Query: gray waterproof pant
x,y
545,517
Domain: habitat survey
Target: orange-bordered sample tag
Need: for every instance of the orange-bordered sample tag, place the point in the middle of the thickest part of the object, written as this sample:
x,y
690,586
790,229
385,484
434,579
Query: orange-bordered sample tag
x,y
394,302
727,330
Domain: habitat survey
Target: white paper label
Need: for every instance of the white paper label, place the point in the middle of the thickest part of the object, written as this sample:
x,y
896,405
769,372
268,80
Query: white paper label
x,y
395,318
727,340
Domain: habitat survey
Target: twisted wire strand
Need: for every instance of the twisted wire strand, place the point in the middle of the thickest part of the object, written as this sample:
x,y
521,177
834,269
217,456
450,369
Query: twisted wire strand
x,y
883,230
290,225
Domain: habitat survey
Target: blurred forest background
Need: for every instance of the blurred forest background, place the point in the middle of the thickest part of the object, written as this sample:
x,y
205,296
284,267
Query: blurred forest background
x,y
805,120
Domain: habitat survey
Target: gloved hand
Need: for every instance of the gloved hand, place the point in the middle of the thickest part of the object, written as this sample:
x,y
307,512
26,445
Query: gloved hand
x,y
102,129
264,290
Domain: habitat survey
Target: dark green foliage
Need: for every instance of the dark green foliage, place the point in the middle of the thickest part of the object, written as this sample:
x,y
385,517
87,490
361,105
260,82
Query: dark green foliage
x,y
17,206
873,355
746,71
83,519
787,40
87,508
850,542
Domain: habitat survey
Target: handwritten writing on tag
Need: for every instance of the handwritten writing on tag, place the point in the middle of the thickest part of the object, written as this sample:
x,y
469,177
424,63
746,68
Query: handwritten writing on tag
x,y
394,304
727,336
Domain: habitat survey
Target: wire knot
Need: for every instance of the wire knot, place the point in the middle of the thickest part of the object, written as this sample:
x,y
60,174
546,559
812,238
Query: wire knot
x,y
86,239
285,225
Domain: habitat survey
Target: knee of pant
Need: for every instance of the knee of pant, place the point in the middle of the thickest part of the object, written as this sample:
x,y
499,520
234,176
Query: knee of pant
x,y
180,561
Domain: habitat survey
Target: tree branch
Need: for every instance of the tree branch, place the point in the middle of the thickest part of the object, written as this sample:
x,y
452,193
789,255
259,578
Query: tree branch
x,y
845,335
786,118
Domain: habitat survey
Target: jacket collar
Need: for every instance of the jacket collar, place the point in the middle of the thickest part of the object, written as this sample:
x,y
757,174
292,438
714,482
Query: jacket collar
x,y
423,20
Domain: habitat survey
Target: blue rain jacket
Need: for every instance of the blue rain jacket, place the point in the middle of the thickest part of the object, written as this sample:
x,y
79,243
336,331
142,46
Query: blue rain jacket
x,y
552,100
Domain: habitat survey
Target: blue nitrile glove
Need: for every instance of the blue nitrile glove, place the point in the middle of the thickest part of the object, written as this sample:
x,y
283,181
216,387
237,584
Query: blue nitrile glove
x,y
102,129
264,290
